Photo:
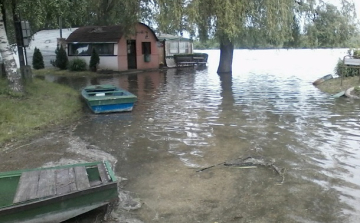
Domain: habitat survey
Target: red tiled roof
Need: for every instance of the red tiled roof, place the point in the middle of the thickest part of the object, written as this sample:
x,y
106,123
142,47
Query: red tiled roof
x,y
96,34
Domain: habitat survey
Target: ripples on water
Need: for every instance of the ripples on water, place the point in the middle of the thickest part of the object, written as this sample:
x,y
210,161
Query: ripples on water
x,y
268,106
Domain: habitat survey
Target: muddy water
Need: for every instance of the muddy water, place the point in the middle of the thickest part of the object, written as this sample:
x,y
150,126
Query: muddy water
x,y
192,118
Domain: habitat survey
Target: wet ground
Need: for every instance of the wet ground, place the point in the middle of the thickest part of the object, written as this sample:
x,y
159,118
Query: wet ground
x,y
189,119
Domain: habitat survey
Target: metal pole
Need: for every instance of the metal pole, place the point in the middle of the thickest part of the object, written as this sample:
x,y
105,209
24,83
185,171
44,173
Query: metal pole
x,y
341,74
26,62
60,26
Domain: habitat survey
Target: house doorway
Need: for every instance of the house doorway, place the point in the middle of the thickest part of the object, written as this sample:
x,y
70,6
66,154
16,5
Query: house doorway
x,y
131,54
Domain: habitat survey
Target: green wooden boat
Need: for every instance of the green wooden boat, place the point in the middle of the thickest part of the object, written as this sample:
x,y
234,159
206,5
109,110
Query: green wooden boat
x,y
108,98
55,194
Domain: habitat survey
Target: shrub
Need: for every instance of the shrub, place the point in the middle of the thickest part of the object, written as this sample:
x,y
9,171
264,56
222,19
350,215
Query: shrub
x,y
356,54
94,60
38,60
77,64
345,71
61,60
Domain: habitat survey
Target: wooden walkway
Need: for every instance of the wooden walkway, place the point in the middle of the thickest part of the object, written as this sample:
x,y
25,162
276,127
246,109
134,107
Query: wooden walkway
x,y
55,182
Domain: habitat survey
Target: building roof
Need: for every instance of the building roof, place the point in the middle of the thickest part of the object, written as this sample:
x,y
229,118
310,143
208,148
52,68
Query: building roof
x,y
96,34
100,34
164,36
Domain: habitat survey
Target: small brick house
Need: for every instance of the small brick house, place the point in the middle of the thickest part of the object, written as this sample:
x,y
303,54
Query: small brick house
x,y
116,51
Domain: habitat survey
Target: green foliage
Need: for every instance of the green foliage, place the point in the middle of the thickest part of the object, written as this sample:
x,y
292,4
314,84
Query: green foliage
x,y
330,26
61,60
260,24
38,61
77,64
206,44
345,71
356,54
94,60
44,14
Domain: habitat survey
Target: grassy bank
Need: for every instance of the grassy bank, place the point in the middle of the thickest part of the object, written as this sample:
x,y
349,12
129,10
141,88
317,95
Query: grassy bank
x,y
334,86
64,73
67,73
43,104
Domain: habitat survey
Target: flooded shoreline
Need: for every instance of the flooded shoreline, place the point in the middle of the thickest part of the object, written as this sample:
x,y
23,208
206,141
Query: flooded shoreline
x,y
192,118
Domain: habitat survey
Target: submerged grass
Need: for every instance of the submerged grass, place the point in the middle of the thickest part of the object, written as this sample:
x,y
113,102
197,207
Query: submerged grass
x,y
43,104
64,73
67,73
335,85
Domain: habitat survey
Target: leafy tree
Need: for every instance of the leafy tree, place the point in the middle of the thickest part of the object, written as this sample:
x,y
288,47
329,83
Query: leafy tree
x,y
252,23
44,14
94,60
330,27
38,61
228,20
295,38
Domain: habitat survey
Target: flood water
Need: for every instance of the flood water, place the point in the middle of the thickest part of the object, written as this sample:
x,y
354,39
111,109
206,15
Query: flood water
x,y
191,118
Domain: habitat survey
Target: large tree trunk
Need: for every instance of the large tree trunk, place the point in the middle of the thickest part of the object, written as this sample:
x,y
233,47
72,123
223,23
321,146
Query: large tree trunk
x,y
13,76
226,56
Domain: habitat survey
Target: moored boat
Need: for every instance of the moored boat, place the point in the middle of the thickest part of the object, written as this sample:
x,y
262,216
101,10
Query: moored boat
x,y
108,98
55,194
338,95
322,79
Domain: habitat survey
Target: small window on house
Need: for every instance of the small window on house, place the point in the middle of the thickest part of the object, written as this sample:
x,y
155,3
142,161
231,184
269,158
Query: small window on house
x,y
187,50
103,48
79,49
182,47
174,47
146,48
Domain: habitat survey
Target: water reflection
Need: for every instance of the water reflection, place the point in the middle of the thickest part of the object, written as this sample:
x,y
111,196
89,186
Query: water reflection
x,y
201,118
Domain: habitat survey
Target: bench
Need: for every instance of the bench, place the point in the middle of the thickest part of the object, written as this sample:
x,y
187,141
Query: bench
x,y
189,60
352,61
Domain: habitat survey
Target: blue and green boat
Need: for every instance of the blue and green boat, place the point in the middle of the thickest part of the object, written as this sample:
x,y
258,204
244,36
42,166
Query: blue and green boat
x,y
56,194
108,98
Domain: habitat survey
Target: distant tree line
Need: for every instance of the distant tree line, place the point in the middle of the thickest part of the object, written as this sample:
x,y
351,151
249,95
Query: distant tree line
x,y
302,43
326,27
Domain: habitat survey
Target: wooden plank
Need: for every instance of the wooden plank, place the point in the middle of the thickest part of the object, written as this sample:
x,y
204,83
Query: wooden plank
x,y
95,183
72,179
65,181
46,183
81,177
102,171
27,187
